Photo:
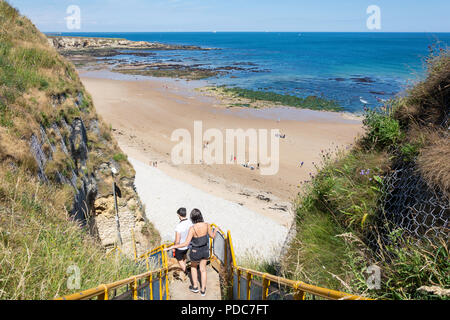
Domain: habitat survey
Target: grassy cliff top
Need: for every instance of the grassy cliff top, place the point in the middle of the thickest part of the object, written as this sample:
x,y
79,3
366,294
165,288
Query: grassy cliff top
x,y
39,88
39,244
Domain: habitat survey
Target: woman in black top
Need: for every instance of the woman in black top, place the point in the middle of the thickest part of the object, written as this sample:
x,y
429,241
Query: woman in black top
x,y
198,237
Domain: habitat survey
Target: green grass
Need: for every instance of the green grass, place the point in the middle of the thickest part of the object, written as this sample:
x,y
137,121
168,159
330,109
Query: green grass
x,y
382,130
415,264
409,151
38,239
18,72
340,199
333,217
119,157
38,243
339,206
253,262
316,253
5,116
310,102
348,186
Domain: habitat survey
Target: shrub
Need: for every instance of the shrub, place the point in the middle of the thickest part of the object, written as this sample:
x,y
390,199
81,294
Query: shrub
x,y
348,187
412,265
409,151
427,103
382,130
119,157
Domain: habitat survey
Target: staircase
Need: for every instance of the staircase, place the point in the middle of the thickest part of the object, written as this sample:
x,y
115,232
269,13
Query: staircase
x,y
225,281
179,287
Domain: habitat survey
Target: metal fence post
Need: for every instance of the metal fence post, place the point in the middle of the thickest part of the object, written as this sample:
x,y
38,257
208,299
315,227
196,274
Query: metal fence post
x,y
151,286
266,283
249,280
228,272
104,295
238,283
160,285
134,289
299,294
167,284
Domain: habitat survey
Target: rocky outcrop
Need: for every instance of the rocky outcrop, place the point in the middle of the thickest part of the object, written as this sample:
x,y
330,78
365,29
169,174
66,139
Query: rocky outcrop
x,y
93,202
78,143
77,43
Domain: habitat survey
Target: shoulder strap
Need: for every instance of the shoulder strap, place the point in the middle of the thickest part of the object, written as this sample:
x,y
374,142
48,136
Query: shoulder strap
x,y
194,230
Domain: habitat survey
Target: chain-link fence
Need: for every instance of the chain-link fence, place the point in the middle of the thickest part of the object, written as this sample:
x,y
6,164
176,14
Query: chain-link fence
x,y
410,204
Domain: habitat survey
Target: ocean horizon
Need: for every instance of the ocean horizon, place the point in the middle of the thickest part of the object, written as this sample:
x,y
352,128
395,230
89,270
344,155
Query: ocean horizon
x,y
348,67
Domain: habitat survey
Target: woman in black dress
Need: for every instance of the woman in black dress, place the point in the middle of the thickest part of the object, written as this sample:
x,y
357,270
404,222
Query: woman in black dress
x,y
198,237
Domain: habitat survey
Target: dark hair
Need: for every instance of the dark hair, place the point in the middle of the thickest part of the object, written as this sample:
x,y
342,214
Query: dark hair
x,y
196,216
181,212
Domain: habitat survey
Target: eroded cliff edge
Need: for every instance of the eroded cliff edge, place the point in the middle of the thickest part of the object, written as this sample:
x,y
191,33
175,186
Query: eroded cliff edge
x,y
49,126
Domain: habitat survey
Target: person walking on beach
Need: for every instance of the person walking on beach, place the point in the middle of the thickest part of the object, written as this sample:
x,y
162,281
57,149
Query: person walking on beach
x,y
198,237
181,233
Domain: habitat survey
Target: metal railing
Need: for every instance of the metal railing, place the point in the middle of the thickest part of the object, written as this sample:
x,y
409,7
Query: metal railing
x,y
247,284
152,285
156,258
243,283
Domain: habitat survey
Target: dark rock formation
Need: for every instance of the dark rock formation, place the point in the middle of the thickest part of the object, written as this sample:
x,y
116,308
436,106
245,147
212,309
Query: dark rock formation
x,y
84,200
78,143
39,156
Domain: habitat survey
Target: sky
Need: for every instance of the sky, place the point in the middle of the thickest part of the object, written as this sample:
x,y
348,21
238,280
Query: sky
x,y
237,15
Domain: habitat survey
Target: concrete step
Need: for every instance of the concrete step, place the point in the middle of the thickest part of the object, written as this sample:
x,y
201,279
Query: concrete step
x,y
179,287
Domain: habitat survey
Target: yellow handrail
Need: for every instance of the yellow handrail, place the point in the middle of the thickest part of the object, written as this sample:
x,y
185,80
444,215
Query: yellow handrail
x,y
230,243
152,251
299,288
102,291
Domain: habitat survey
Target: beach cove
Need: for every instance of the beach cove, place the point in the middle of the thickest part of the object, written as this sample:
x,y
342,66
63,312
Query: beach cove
x,y
143,113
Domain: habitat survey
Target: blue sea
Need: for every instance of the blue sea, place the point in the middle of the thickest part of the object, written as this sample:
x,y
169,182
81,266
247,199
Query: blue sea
x,y
346,67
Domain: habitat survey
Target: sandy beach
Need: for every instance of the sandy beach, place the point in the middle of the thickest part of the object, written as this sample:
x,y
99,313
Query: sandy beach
x,y
163,195
144,112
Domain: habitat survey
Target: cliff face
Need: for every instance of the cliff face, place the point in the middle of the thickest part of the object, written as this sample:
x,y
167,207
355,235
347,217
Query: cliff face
x,y
49,126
